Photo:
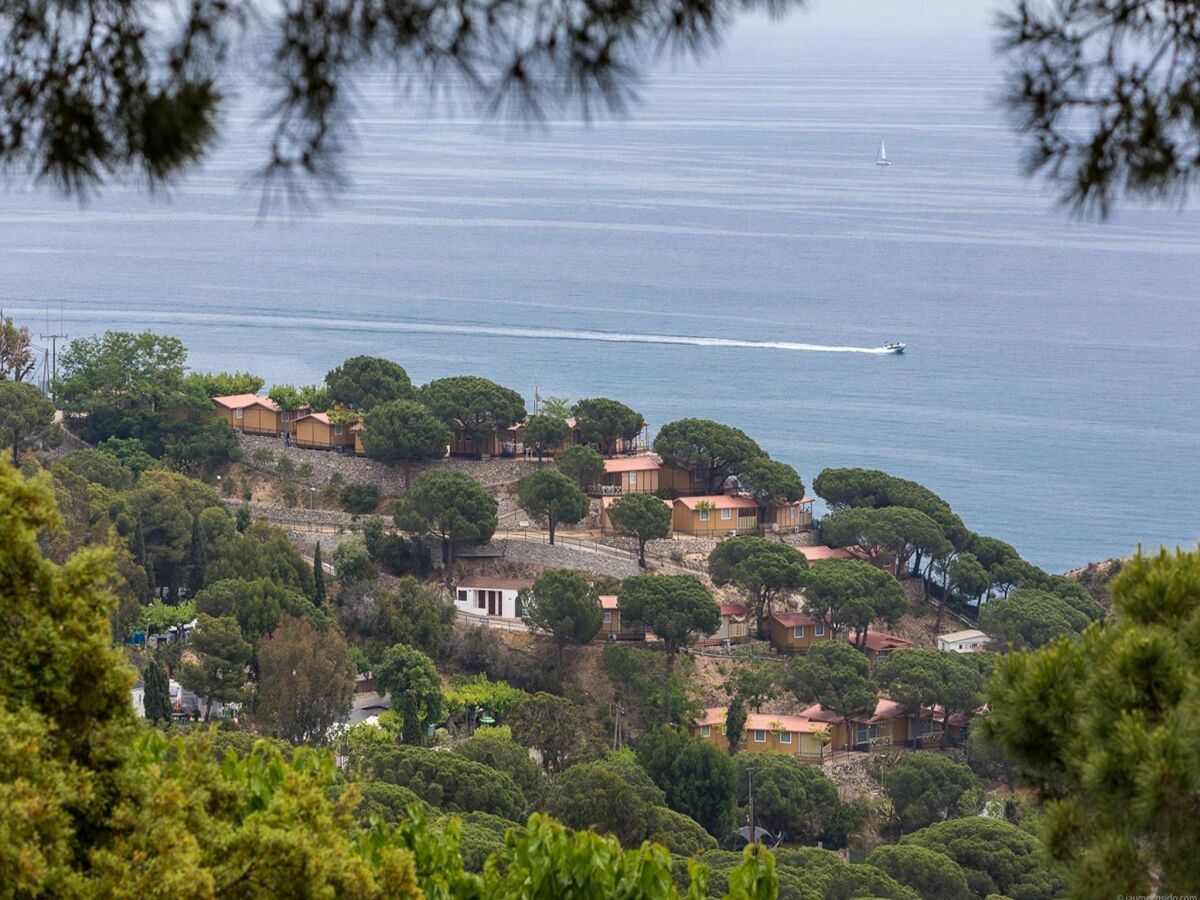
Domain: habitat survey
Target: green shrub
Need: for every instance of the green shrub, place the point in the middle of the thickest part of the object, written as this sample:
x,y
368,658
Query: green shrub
x,y
447,780
359,499
262,456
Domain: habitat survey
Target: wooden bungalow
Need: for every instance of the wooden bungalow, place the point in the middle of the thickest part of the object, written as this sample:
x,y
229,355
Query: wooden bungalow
x,y
879,645
497,442
888,725
736,625
629,475
795,632
683,482
316,431
606,525
788,518
714,515
249,414
612,628
795,736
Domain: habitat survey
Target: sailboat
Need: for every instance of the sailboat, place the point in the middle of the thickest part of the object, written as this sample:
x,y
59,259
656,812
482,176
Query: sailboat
x,y
882,159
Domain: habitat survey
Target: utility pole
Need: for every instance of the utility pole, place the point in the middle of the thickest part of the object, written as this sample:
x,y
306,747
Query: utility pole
x,y
750,791
53,373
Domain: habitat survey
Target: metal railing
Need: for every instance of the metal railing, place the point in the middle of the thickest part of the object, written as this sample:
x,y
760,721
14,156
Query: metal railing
x,y
563,540
486,621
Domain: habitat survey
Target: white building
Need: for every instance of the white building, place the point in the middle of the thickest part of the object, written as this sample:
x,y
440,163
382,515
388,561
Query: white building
x,y
967,641
490,596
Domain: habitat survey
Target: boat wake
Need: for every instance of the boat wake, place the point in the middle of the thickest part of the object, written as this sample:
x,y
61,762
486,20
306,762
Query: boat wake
x,y
384,326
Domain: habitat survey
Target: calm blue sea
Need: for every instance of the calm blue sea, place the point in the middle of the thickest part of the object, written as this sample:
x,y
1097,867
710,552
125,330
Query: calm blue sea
x,y
1050,388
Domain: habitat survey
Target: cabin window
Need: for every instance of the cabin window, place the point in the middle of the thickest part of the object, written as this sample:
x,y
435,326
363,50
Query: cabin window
x,y
819,629
760,737
337,430
462,596
241,414
798,631
785,737
704,515
705,730
697,475
727,514
607,618
866,733
883,654
633,479
924,726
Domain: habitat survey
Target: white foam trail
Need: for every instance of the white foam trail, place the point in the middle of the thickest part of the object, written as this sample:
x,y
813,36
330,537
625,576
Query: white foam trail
x,y
403,327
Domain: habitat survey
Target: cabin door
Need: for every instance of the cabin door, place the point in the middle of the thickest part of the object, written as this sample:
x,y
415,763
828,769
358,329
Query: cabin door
x,y
495,607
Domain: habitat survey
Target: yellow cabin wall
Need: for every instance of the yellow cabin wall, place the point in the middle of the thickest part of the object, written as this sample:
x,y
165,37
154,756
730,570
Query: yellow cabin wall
x,y
804,745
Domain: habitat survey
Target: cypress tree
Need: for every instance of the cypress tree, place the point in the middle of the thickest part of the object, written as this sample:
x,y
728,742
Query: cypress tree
x,y
318,578
157,693
198,560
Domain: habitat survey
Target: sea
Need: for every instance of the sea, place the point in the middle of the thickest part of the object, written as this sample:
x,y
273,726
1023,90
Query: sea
x,y
726,249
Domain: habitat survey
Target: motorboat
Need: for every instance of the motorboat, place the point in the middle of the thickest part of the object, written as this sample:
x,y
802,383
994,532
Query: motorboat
x,y
893,347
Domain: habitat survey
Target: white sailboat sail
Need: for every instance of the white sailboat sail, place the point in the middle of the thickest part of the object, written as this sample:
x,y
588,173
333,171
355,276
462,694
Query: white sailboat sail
x,y
882,159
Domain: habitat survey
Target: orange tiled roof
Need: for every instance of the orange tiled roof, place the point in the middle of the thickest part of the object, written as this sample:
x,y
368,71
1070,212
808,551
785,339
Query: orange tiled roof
x,y
881,640
765,721
791,620
719,501
241,401
631,464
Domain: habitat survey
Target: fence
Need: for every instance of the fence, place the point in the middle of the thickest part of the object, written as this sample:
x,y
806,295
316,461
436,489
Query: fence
x,y
484,621
564,540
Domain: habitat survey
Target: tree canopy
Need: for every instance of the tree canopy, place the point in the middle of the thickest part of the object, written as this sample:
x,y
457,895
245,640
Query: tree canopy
x,y
838,677
642,517
364,382
121,371
472,405
305,681
793,799
450,506
445,780
997,857
411,679
933,875
844,488
767,571
591,796
583,465
928,787
769,481
678,608
717,451
605,422
695,776
403,431
1109,722
850,593
897,531
925,679
551,497
563,604
544,432
24,415
224,384
1030,618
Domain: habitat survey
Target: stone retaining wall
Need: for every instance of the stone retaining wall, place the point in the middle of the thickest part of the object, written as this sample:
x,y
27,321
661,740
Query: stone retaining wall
x,y
491,473
557,556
